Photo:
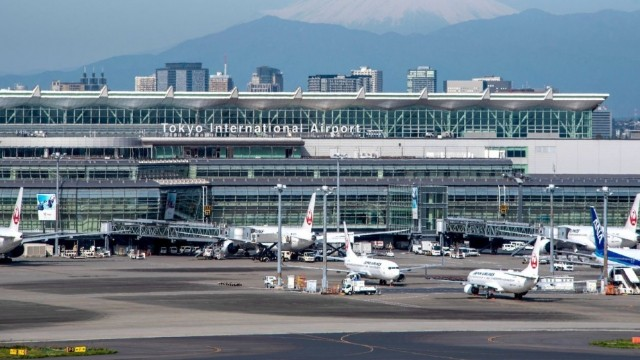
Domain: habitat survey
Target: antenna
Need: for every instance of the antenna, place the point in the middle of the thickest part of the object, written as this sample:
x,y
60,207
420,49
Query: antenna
x,y
225,64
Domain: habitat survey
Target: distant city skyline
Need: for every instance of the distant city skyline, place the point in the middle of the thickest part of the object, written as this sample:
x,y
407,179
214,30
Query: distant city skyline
x,y
31,42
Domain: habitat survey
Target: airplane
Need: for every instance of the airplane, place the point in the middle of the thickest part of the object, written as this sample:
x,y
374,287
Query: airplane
x,y
266,237
582,236
11,237
615,256
515,282
386,271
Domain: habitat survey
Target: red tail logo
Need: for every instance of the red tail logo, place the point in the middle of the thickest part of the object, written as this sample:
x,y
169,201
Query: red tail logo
x,y
534,261
16,215
309,218
633,218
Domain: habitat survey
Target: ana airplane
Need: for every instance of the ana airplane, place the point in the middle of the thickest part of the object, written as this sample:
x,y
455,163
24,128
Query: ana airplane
x,y
582,236
515,282
361,266
11,237
615,256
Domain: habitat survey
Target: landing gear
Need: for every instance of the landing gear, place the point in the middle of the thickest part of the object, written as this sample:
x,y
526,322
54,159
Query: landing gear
x,y
519,295
383,282
489,294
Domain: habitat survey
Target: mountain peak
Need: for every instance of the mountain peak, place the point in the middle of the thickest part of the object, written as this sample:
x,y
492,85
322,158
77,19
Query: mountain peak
x,y
383,15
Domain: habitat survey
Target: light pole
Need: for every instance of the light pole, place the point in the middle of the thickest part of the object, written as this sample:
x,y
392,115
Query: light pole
x,y
551,189
339,156
519,179
605,255
57,156
280,188
326,191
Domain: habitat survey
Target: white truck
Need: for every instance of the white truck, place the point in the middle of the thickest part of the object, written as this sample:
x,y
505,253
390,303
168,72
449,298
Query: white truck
x,y
350,287
428,246
362,247
416,249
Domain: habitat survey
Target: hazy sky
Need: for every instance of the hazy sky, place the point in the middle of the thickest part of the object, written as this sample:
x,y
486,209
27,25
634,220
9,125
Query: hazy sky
x,y
40,35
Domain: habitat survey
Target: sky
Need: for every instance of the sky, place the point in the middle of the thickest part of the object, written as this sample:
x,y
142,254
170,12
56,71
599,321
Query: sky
x,y
39,35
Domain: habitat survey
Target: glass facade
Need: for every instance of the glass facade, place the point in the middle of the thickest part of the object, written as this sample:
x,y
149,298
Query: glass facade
x,y
413,122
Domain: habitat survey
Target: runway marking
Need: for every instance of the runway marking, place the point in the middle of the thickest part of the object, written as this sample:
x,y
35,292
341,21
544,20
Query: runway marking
x,y
343,340
216,349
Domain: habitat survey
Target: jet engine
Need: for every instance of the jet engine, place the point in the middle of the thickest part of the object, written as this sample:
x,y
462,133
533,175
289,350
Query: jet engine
x,y
229,248
16,252
471,290
400,278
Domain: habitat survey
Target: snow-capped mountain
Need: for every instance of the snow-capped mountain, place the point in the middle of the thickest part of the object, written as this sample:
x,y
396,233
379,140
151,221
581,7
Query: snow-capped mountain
x,y
402,16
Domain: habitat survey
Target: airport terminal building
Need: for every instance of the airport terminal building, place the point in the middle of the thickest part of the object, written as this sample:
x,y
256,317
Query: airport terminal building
x,y
121,155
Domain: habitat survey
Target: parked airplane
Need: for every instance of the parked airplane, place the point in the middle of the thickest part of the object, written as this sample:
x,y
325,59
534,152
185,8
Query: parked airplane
x,y
362,266
266,237
515,282
582,236
615,256
11,237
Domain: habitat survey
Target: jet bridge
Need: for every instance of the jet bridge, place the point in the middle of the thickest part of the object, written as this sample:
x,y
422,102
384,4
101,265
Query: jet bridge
x,y
466,227
181,230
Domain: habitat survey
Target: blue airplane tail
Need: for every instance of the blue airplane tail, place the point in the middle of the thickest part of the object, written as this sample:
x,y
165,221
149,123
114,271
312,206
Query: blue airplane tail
x,y
598,232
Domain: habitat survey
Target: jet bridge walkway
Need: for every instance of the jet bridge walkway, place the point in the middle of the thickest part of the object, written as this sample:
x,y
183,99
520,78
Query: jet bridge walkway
x,y
489,229
188,231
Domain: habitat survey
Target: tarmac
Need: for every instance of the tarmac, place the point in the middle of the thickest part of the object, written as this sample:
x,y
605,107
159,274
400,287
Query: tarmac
x,y
172,301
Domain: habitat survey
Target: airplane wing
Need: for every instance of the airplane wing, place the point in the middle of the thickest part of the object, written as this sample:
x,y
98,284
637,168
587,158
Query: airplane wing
x,y
424,266
338,238
489,285
339,271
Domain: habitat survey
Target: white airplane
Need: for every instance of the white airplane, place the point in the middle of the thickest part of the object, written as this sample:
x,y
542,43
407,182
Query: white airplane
x,y
11,237
386,271
615,257
266,237
515,282
582,236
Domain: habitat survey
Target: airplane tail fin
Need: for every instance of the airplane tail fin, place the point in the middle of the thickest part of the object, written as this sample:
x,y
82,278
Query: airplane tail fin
x,y
598,232
307,223
347,243
14,225
632,219
534,262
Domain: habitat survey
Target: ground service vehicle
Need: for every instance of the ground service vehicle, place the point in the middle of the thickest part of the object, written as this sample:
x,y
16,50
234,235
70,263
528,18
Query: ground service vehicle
x,y
350,287
309,256
270,281
563,266
416,249
427,247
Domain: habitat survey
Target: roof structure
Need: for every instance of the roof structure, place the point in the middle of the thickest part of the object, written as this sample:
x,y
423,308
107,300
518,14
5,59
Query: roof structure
x,y
298,99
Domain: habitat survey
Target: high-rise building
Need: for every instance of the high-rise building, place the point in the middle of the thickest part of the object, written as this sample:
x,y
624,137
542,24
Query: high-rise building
x,y
602,123
266,79
182,77
146,83
220,82
86,83
421,78
337,83
495,84
376,78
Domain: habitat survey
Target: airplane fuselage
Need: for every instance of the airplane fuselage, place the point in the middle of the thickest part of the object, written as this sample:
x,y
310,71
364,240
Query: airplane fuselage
x,y
502,281
617,237
373,268
293,239
623,257
9,243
